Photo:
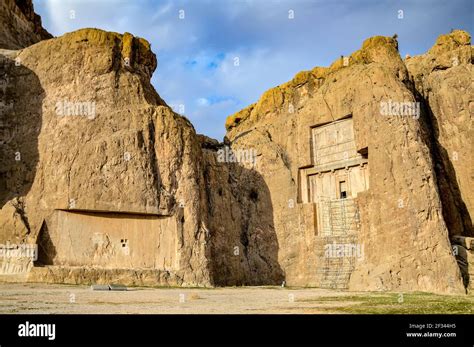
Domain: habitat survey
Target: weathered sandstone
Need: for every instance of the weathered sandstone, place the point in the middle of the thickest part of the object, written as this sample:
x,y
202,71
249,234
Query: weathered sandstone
x,y
372,154
443,79
124,151
21,26
402,228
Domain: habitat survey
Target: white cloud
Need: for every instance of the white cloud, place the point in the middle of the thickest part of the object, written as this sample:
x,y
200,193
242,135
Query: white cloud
x,y
271,48
202,102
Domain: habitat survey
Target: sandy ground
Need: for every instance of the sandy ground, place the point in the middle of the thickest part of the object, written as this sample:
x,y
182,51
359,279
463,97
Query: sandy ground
x,y
44,298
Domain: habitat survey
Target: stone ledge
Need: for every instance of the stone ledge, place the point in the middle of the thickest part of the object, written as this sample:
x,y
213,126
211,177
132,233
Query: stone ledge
x,y
96,275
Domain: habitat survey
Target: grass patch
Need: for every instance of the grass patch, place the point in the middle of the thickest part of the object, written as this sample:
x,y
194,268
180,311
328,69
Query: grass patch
x,y
395,303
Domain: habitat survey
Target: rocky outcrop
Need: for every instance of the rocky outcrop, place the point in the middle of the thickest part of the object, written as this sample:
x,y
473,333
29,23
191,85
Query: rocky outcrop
x,y
402,228
243,243
114,186
443,79
92,135
21,26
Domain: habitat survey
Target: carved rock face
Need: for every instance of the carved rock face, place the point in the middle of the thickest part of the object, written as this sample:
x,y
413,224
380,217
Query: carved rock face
x,y
91,156
93,135
402,216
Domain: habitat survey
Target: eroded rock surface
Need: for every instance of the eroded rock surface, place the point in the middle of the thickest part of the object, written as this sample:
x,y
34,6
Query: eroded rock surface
x,y
21,26
443,79
92,135
116,187
400,216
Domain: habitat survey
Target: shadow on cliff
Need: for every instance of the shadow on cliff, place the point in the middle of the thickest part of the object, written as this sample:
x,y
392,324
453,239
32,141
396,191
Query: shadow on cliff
x,y
455,212
46,249
21,100
244,244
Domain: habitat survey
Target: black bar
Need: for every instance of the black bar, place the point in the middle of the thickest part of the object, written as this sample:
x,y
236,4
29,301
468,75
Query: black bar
x,y
242,329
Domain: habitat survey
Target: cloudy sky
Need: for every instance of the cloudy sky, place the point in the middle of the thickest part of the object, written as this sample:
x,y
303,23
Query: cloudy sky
x,y
217,57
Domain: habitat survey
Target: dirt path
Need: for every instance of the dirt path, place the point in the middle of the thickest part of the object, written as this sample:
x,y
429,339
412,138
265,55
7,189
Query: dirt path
x,y
43,298
47,298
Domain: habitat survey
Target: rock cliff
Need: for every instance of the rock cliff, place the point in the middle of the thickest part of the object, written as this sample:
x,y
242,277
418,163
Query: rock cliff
x,y
93,135
373,152
402,215
21,26
443,79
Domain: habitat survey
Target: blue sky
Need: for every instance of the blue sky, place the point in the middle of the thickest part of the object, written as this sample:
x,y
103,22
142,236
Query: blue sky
x,y
197,54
